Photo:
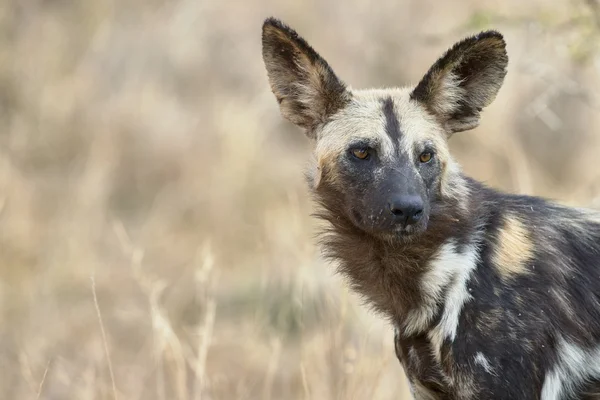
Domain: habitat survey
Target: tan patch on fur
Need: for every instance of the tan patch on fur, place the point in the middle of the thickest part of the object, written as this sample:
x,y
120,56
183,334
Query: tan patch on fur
x,y
514,249
327,168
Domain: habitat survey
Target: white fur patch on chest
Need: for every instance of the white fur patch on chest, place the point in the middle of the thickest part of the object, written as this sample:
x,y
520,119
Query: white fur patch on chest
x,y
448,274
456,296
574,366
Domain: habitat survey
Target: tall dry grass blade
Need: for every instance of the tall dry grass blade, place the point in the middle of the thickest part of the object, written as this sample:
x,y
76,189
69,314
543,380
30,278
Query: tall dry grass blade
x,y
203,346
104,341
203,276
41,386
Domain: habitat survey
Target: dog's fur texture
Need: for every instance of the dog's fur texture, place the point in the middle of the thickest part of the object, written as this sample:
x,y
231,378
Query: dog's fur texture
x,y
492,295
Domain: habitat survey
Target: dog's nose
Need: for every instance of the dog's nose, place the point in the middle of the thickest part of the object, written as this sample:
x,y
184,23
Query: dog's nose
x,y
409,209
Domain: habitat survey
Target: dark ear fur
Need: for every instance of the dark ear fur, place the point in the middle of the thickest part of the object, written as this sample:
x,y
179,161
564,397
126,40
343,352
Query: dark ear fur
x,y
306,88
464,81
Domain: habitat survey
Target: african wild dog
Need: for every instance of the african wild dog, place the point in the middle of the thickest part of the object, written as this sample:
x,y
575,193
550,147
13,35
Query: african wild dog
x,y
492,295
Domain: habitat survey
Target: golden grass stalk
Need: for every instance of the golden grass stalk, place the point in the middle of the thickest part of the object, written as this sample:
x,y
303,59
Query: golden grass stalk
x,y
104,341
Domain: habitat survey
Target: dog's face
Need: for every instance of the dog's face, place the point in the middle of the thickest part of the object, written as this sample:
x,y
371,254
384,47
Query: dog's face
x,y
381,156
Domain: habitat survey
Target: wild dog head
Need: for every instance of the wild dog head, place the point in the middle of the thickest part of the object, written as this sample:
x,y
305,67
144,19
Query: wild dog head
x,y
381,156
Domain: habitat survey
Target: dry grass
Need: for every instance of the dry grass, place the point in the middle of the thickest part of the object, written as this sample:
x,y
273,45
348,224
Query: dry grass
x,y
140,145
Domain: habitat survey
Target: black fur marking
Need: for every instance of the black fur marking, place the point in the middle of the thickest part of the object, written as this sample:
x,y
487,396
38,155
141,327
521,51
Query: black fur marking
x,y
392,125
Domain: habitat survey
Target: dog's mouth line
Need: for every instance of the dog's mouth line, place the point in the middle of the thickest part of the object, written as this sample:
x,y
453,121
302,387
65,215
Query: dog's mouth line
x,y
395,230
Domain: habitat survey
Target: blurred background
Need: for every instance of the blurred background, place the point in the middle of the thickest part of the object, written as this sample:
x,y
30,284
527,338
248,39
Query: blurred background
x,y
155,231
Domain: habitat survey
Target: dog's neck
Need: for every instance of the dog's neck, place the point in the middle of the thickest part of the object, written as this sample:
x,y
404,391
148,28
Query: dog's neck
x,y
388,273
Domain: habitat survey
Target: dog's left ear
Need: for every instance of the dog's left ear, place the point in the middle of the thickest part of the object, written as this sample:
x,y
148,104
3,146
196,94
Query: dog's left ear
x,y
464,81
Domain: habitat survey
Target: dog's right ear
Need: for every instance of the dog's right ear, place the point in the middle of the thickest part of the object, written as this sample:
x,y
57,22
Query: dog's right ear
x,y
307,89
464,81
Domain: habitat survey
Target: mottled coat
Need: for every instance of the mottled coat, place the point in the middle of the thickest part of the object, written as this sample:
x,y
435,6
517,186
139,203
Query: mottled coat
x,y
492,295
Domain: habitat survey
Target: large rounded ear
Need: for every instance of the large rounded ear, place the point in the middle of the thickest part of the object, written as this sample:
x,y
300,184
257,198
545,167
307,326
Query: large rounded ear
x,y
464,81
307,89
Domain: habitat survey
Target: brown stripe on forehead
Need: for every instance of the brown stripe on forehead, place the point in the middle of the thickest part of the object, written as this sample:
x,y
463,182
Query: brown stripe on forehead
x,y
392,125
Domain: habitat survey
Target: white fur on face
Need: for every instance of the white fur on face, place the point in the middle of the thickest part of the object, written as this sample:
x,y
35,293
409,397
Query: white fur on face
x,y
363,118
574,366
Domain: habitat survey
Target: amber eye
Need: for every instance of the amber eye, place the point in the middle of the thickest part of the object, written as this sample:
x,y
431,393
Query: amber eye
x,y
361,154
425,157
